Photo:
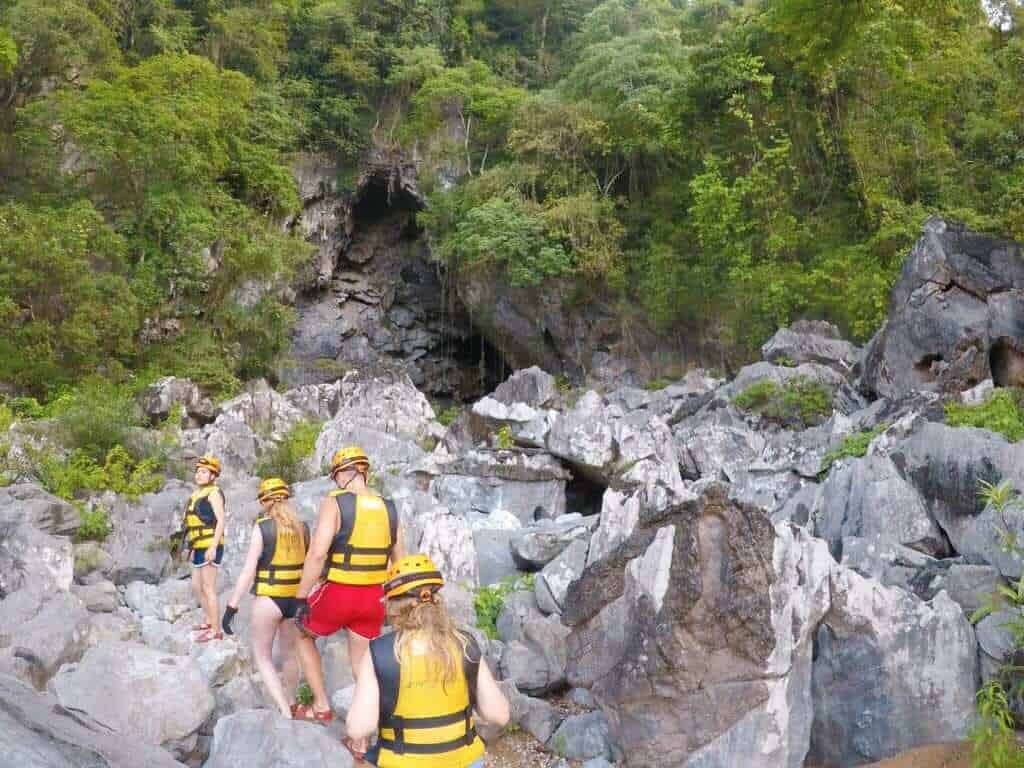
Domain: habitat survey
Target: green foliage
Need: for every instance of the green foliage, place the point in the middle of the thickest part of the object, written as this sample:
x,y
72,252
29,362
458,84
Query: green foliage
x,y
801,402
853,446
654,385
1000,412
993,741
489,600
81,474
6,417
95,525
447,416
503,438
304,694
287,457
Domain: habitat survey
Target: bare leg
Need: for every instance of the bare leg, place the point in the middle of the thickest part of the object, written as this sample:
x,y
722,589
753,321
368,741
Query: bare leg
x,y
309,659
197,586
357,646
208,574
265,620
287,634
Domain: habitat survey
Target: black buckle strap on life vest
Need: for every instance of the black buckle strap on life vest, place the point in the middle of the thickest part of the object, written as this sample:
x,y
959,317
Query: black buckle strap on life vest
x,y
399,725
273,579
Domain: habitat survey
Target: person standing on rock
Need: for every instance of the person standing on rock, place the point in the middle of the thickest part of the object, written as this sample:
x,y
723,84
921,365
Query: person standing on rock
x,y
273,568
204,532
418,686
357,535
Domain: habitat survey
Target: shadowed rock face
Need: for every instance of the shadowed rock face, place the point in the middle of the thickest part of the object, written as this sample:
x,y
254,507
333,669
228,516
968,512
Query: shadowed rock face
x,y
956,316
673,630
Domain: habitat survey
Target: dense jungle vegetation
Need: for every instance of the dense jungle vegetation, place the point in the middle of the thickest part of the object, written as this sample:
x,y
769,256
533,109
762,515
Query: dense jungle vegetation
x,y
717,166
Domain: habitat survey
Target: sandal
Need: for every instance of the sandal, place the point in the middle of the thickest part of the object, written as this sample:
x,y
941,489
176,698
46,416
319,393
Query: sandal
x,y
201,627
308,713
207,636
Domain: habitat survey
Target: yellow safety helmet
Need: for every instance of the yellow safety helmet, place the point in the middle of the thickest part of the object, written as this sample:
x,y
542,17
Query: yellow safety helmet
x,y
209,462
273,488
350,458
412,572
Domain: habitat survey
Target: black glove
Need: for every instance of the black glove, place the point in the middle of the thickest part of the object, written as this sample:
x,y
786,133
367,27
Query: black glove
x,y
301,610
229,615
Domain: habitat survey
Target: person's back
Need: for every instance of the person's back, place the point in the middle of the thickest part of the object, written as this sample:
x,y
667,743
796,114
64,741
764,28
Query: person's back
x,y
421,684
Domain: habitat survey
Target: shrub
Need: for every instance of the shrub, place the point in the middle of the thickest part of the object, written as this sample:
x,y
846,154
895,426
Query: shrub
x,y
95,417
657,384
1001,412
853,446
95,525
304,694
6,417
448,416
82,474
489,600
503,438
799,402
993,742
286,458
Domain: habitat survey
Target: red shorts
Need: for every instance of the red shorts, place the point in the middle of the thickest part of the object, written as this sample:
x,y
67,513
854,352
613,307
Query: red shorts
x,y
357,608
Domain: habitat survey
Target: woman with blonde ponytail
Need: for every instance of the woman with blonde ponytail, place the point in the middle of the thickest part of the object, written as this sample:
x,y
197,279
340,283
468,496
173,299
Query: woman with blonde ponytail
x,y
422,686
273,568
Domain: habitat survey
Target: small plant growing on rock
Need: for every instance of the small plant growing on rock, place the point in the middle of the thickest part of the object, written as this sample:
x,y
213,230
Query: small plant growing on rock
x,y
800,402
304,694
853,446
1001,412
503,438
286,459
447,416
994,744
655,385
95,525
489,600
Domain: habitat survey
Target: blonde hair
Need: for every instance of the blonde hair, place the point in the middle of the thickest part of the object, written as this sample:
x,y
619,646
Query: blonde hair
x,y
288,523
427,621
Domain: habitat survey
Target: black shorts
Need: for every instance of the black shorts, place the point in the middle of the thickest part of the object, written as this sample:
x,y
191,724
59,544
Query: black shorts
x,y
286,605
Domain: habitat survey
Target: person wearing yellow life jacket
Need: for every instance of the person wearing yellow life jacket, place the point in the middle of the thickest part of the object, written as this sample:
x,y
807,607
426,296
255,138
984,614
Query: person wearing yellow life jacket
x,y
357,535
204,536
273,568
422,686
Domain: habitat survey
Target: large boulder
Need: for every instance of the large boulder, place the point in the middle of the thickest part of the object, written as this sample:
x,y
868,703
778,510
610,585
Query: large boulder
x,y
869,498
956,316
36,733
531,386
536,663
30,556
536,545
845,398
40,632
890,673
264,739
694,634
29,504
529,485
139,542
947,466
436,531
160,399
582,737
141,693
385,415
552,583
808,341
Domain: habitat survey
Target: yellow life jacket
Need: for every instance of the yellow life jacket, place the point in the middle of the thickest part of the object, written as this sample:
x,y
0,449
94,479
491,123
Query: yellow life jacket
x,y
425,722
360,550
200,520
279,570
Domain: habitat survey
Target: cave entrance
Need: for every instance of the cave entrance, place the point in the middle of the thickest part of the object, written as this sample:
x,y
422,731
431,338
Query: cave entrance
x,y
1006,362
583,495
480,364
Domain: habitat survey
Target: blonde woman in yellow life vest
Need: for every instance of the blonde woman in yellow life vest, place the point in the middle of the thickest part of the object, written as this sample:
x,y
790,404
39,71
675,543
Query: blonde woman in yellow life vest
x,y
357,535
273,568
422,686
204,535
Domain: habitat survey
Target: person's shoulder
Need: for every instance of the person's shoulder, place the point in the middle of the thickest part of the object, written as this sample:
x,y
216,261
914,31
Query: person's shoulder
x,y
472,645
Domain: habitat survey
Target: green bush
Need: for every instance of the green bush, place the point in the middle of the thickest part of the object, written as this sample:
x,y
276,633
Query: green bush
x,y
489,600
95,525
853,446
801,402
657,384
286,458
6,417
503,438
82,474
447,416
1001,412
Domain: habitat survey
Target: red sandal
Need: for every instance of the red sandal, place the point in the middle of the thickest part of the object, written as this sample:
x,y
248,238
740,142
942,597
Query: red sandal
x,y
201,627
308,713
207,636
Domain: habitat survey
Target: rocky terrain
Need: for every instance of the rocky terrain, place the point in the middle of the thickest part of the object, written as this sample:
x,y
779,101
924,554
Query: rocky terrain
x,y
693,575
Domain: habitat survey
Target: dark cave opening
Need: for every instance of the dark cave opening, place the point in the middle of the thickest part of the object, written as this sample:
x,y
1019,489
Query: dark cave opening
x,y
583,495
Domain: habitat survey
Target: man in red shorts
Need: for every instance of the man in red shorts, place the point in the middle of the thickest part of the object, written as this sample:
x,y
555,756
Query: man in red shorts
x,y
357,536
